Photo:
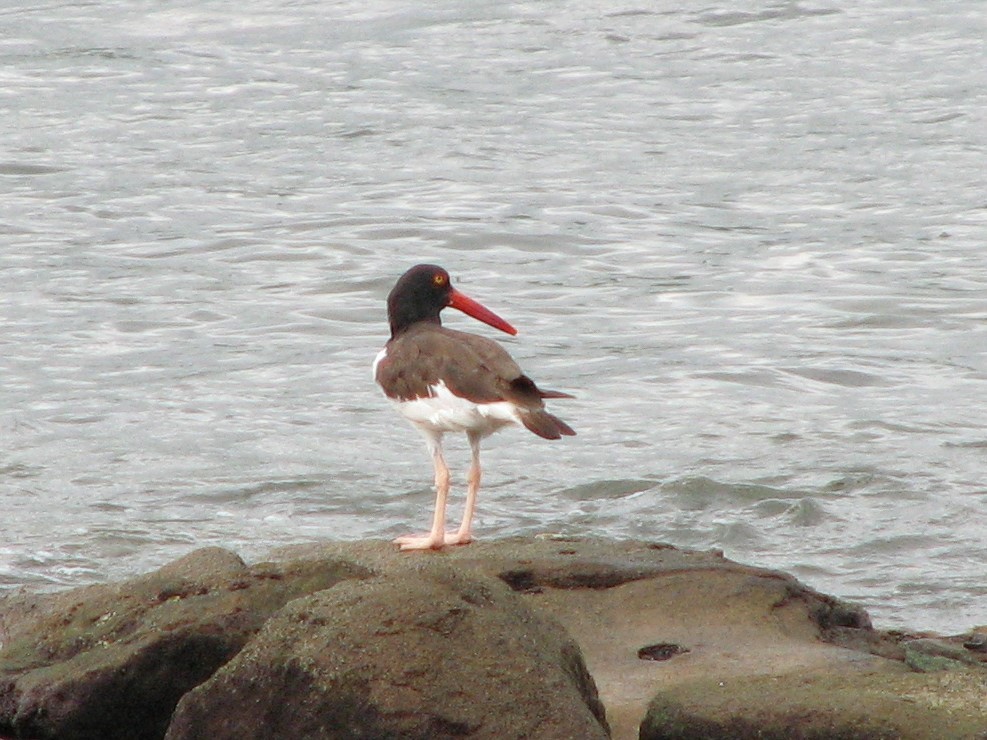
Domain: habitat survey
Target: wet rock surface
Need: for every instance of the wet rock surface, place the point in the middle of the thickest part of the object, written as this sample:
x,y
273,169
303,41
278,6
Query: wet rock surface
x,y
498,639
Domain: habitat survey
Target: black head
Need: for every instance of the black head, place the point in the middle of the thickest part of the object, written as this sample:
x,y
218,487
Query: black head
x,y
418,295
421,294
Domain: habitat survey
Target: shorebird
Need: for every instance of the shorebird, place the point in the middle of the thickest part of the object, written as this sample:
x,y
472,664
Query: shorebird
x,y
443,380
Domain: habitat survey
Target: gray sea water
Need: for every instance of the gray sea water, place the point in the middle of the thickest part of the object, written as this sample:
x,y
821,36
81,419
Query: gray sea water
x,y
748,236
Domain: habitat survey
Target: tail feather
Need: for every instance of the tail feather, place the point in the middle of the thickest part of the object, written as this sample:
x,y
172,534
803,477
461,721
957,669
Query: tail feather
x,y
524,387
545,424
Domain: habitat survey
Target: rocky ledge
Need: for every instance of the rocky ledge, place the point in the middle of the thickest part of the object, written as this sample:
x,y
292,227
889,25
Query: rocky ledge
x,y
519,638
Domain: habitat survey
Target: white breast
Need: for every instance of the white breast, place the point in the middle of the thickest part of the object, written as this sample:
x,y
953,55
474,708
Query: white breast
x,y
377,360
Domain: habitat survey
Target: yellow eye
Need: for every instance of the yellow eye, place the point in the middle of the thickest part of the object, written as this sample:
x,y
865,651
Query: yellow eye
x,y
439,279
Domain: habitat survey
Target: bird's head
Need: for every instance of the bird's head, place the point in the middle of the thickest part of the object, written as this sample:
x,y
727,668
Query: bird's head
x,y
421,294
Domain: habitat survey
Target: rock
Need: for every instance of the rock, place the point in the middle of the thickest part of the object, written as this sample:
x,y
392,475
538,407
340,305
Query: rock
x,y
420,652
673,639
976,640
730,623
616,598
112,661
854,705
927,654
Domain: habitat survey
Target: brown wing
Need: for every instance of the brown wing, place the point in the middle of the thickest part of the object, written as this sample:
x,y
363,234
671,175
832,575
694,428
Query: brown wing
x,y
473,367
477,368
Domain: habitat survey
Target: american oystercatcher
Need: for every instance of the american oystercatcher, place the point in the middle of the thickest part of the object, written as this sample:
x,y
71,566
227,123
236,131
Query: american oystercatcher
x,y
443,380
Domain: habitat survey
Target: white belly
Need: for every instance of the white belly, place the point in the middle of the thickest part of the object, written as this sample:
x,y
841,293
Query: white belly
x,y
444,411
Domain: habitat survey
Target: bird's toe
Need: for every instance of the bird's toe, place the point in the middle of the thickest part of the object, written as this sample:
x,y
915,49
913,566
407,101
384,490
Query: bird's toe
x,y
420,542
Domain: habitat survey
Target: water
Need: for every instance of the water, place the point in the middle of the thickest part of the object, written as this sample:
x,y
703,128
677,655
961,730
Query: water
x,y
749,237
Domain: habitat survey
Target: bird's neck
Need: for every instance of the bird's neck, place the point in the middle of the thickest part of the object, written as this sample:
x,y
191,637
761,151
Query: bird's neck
x,y
399,326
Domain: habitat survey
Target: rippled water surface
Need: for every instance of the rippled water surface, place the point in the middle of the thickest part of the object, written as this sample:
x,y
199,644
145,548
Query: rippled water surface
x,y
750,237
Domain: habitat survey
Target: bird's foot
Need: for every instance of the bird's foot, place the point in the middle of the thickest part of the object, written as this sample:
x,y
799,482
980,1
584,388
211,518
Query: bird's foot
x,y
433,541
419,542
458,538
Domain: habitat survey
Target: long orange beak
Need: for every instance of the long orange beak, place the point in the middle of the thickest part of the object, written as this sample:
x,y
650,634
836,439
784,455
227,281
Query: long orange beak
x,y
471,308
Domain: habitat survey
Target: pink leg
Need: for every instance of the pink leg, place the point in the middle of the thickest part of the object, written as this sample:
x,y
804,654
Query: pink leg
x,y
436,537
465,534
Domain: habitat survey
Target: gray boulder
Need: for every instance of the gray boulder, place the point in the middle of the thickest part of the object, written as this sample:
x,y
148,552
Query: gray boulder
x,y
422,651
